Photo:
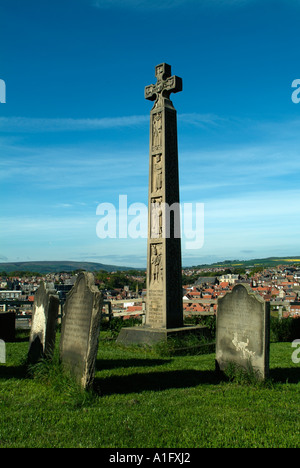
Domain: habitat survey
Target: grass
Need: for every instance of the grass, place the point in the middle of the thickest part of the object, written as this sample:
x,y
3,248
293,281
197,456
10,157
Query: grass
x,y
143,398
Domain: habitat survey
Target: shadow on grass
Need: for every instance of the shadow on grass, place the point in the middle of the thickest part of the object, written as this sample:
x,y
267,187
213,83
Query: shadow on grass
x,y
106,364
13,372
154,381
285,374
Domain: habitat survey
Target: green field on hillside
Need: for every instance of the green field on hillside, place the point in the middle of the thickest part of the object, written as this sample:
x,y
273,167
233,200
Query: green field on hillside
x,y
256,262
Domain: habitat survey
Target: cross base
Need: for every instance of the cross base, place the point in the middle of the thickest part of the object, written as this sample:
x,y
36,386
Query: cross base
x,y
143,335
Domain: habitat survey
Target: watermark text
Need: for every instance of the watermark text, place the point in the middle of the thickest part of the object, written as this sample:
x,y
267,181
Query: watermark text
x,y
296,353
184,221
296,93
2,92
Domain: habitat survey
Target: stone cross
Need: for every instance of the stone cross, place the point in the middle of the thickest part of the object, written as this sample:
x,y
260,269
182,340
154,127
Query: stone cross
x,y
164,288
166,84
164,305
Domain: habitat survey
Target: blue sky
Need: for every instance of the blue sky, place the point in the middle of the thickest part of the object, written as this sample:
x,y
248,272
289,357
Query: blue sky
x,y
74,131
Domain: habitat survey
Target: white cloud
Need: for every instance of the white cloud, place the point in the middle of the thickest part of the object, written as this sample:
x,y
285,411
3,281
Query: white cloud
x,y
26,124
41,224
70,165
250,189
238,169
166,4
140,4
257,207
63,205
201,120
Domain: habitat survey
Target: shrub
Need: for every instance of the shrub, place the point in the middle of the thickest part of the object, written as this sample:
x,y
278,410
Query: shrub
x,y
286,329
116,323
208,321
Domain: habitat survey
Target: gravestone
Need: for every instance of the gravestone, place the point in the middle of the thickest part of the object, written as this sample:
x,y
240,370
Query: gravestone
x,y
164,305
43,323
242,335
2,352
81,328
7,326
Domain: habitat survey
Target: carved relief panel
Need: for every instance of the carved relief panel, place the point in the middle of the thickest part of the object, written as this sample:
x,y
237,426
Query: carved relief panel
x,y
157,173
156,218
156,260
156,131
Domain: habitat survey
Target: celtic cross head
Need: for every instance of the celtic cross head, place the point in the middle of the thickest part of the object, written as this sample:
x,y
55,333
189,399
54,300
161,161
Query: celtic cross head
x,y
165,85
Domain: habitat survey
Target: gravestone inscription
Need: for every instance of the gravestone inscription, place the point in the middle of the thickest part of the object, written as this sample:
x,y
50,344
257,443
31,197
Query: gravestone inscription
x,y
43,324
81,328
242,336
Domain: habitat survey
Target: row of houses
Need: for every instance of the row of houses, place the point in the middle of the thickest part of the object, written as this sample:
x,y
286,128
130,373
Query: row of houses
x,y
281,290
279,286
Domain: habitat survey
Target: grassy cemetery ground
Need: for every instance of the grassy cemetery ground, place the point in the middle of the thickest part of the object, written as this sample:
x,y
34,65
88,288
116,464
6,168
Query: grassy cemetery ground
x,y
148,398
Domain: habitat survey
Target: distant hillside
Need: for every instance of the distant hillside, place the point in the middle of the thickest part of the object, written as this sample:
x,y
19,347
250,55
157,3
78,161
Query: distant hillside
x,y
67,266
56,267
264,262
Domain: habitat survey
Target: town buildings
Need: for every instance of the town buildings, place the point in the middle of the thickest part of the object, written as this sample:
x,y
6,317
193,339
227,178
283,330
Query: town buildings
x,y
280,286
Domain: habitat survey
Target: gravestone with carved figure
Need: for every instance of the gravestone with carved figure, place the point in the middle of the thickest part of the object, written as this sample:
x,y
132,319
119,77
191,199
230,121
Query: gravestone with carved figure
x,y
164,305
242,333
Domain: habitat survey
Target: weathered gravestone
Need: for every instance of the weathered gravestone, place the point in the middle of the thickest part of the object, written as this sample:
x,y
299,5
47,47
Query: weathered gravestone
x,y
242,337
81,328
43,324
2,352
7,326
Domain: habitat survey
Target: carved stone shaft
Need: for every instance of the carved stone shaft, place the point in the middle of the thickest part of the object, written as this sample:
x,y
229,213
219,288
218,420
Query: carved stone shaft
x,y
164,286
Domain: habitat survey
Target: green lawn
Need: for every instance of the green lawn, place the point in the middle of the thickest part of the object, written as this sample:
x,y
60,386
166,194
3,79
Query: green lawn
x,y
141,400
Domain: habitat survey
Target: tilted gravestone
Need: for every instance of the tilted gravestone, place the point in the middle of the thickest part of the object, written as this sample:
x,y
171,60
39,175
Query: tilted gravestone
x,y
7,326
2,352
242,336
81,328
43,323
